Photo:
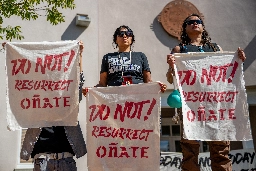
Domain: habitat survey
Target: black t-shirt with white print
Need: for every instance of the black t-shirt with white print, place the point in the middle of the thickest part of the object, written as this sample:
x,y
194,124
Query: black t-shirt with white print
x,y
124,63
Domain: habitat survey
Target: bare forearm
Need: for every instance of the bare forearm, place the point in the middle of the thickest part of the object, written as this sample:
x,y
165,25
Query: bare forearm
x,y
147,77
170,73
100,85
103,80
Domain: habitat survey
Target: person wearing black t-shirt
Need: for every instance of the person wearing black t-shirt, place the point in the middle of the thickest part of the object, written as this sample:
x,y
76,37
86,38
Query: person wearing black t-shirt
x,y
194,38
53,148
124,67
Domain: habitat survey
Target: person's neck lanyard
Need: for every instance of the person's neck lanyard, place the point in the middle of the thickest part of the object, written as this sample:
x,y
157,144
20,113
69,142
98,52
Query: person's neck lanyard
x,y
122,62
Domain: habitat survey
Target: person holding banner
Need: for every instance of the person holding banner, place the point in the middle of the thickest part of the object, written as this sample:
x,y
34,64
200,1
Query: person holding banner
x,y
118,71
194,38
53,148
125,66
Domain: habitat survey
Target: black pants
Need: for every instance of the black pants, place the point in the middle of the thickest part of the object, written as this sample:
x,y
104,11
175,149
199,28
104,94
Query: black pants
x,y
65,164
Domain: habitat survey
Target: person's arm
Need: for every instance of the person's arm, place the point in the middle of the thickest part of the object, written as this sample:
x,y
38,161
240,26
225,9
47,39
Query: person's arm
x,y
102,83
171,61
3,45
147,74
241,54
146,77
103,76
169,75
103,72
103,80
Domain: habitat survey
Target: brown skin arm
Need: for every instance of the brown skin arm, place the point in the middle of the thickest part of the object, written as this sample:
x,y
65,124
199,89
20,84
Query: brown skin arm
x,y
241,54
169,76
103,80
146,77
3,45
176,49
171,61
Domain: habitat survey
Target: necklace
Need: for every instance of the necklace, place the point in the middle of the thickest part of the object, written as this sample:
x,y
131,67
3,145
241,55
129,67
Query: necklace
x,y
122,61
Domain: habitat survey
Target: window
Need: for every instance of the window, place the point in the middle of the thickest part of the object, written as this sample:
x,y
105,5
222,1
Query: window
x,y
164,146
170,136
205,146
166,130
177,146
248,144
175,130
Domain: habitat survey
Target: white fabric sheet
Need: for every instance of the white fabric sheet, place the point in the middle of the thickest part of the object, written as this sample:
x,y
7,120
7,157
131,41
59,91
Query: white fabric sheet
x,y
42,84
214,100
123,128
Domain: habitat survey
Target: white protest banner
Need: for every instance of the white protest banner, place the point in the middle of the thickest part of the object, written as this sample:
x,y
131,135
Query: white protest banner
x,y
214,100
123,128
243,159
42,84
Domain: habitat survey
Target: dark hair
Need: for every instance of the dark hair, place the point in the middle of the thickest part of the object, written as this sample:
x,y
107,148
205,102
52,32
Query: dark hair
x,y
118,31
206,39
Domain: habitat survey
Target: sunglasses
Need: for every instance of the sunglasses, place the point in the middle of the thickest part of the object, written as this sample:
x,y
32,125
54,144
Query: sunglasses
x,y
194,21
127,33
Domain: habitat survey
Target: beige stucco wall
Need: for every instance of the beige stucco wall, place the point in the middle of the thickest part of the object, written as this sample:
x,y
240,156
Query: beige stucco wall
x,y
231,23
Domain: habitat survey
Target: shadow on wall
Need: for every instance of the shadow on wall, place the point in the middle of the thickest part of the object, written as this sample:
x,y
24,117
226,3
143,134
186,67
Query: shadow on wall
x,y
250,54
162,35
73,31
